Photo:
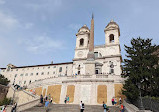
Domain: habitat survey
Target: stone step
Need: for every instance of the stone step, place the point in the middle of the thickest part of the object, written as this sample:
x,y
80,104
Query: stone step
x,y
71,108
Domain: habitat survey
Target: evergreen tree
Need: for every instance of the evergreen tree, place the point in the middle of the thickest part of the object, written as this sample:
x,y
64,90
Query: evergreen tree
x,y
140,68
3,80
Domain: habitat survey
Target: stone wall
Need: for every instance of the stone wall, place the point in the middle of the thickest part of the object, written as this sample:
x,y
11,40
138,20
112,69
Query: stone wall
x,y
89,92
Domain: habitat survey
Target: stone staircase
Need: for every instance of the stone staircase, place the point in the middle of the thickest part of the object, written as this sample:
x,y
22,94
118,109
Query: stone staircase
x,y
71,108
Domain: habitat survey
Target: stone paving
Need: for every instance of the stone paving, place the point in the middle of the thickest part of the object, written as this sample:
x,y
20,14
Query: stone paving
x,y
71,108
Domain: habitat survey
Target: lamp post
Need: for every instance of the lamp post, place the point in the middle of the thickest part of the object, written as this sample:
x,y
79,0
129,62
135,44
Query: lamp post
x,y
141,103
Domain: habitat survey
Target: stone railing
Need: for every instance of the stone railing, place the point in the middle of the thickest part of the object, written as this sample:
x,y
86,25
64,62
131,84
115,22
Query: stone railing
x,y
24,99
132,108
101,76
28,105
59,80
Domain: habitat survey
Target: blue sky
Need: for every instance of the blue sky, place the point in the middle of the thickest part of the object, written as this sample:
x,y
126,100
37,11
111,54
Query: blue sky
x,y
38,31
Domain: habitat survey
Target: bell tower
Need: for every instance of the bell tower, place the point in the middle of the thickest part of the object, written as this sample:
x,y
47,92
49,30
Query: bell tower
x,y
82,42
112,33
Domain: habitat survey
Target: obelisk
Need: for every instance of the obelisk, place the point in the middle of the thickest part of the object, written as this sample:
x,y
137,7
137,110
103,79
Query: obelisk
x,y
90,62
90,56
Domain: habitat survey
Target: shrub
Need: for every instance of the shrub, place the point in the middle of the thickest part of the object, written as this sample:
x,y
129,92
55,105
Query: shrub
x,y
5,101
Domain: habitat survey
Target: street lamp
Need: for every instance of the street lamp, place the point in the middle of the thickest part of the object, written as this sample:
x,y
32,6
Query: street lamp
x,y
141,103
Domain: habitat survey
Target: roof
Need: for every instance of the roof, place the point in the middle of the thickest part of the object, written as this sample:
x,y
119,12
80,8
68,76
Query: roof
x,y
84,26
41,65
111,23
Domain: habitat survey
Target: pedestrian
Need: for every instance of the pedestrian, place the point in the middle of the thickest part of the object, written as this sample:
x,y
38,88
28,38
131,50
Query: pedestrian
x,y
115,101
4,109
120,100
68,98
112,101
14,107
49,96
51,100
122,108
65,100
82,106
104,106
41,99
46,104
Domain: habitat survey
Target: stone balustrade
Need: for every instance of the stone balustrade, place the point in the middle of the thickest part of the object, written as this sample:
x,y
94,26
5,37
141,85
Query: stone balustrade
x,y
60,79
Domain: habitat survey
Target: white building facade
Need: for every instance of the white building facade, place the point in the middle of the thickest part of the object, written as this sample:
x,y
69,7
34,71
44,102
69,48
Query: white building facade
x,y
73,78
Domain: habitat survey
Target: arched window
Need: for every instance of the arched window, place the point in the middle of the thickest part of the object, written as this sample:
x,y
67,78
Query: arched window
x,y
111,38
79,68
81,42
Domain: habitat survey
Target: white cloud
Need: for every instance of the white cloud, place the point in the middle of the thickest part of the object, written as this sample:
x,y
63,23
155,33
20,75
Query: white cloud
x,y
2,2
7,22
42,44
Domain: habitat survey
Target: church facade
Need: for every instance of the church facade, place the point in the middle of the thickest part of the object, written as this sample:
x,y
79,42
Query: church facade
x,y
93,76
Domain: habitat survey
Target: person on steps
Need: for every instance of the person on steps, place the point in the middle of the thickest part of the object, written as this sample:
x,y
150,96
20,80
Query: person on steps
x,y
82,106
46,104
104,106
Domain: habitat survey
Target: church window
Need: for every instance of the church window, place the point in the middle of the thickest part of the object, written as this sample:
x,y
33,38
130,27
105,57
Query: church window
x,y
36,73
111,38
24,82
48,73
96,54
31,74
96,71
30,82
79,67
111,71
60,69
111,67
54,66
21,74
53,72
15,75
26,74
81,42
17,70
48,67
42,73
79,72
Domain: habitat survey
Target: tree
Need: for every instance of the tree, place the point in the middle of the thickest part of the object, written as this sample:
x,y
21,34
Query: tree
x,y
140,67
3,80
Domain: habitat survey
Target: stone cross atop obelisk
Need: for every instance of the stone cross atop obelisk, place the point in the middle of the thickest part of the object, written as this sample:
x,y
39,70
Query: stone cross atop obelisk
x,y
90,56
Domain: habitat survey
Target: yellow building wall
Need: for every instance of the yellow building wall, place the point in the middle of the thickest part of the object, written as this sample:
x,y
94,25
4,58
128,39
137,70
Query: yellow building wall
x,y
55,92
38,91
44,91
70,92
102,94
118,91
